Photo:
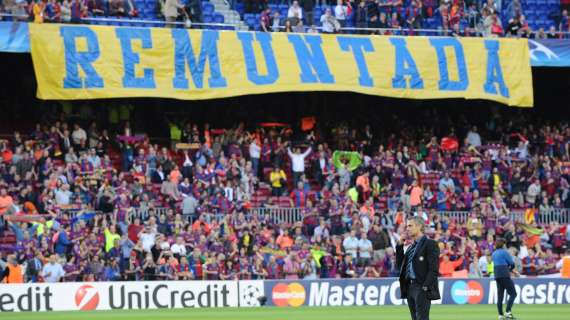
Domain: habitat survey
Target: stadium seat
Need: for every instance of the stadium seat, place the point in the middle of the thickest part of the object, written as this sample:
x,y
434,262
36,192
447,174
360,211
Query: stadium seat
x,y
218,18
317,13
207,8
249,19
240,8
208,18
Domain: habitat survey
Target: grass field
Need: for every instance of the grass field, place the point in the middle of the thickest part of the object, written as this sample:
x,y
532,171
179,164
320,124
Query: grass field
x,y
467,312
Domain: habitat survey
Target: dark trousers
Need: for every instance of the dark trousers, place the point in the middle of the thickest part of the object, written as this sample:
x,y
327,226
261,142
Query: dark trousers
x,y
418,302
505,284
296,178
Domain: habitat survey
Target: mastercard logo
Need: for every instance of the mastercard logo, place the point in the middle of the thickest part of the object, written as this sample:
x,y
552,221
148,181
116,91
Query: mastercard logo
x,y
86,298
292,294
467,292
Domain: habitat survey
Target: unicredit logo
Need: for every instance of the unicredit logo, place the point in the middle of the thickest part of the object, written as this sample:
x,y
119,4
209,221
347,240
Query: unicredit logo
x,y
292,294
86,298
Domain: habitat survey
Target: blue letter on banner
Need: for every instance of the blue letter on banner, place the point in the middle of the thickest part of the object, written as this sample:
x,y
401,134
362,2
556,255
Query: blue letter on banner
x,y
358,46
494,70
74,59
405,66
444,83
183,54
311,59
130,59
264,40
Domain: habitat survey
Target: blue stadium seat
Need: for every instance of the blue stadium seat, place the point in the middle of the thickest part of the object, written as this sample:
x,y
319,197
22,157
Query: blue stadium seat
x,y
208,18
218,18
249,19
139,4
283,12
273,7
240,8
317,13
207,8
541,3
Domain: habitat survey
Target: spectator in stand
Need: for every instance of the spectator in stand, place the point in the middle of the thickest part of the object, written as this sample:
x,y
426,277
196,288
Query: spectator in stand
x,y
383,23
12,272
276,22
53,11
564,25
514,28
395,21
65,11
540,34
295,13
255,156
308,7
299,196
552,34
278,181
496,26
365,250
329,23
448,267
361,16
96,7
473,137
52,271
264,22
487,18
415,15
38,9
288,26
299,28
341,13
171,12
298,162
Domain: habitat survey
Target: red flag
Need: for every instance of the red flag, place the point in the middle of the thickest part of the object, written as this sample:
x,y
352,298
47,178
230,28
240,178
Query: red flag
x,y
449,144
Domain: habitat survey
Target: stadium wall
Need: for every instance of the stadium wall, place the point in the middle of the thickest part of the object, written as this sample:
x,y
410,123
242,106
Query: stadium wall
x,y
280,293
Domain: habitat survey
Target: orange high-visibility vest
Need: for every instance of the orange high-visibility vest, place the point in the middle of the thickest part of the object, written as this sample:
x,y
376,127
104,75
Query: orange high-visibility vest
x,y
15,275
565,271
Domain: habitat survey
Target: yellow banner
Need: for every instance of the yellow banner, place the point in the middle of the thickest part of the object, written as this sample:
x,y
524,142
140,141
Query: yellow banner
x,y
90,62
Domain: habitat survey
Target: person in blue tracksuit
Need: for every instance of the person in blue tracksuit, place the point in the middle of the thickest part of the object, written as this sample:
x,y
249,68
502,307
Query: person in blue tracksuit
x,y
504,265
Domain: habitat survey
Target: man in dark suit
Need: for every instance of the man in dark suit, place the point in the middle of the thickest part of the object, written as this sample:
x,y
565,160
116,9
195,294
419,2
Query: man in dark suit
x,y
419,269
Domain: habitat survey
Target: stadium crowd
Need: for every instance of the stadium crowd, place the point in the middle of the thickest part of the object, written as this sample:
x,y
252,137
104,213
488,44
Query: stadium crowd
x,y
85,205
456,18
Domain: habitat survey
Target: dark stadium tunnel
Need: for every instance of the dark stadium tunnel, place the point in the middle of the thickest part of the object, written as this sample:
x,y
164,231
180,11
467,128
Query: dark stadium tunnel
x,y
21,108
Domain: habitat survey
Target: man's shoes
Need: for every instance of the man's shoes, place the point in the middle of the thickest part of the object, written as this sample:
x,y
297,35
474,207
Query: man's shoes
x,y
509,316
501,318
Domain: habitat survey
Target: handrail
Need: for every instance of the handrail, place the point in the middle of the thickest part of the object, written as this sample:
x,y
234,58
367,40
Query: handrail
x,y
160,22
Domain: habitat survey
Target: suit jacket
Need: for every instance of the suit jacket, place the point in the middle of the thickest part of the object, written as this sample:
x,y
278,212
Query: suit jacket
x,y
426,267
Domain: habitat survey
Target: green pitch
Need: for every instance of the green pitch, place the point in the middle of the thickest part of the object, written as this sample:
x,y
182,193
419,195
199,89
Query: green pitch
x,y
467,312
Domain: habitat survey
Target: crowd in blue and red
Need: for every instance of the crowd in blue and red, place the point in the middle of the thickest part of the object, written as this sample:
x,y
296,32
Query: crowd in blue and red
x,y
276,201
